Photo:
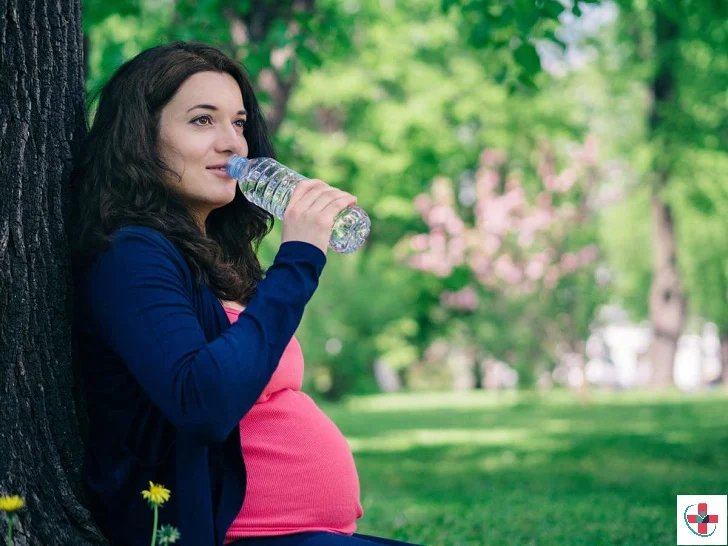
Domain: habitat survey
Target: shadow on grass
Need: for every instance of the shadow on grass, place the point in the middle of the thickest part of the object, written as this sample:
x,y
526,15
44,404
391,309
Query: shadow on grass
x,y
540,472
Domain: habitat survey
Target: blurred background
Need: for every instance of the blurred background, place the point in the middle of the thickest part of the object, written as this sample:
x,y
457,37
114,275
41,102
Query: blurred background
x,y
538,323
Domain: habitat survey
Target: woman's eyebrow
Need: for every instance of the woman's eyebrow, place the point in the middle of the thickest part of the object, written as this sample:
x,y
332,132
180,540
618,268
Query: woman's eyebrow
x,y
214,109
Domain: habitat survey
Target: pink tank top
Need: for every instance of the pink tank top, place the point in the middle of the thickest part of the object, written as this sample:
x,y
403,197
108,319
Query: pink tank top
x,y
300,471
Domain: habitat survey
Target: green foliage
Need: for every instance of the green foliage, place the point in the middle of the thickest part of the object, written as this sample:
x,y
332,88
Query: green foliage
x,y
627,240
280,36
116,31
96,11
505,33
362,312
703,237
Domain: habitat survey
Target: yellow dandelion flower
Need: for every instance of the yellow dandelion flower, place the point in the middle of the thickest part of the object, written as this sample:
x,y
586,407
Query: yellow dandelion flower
x,y
11,504
156,494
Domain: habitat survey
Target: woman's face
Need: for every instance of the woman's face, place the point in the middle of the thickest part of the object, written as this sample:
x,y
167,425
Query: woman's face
x,y
198,131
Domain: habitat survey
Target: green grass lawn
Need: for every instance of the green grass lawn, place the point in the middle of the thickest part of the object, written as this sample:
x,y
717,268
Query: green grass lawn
x,y
479,468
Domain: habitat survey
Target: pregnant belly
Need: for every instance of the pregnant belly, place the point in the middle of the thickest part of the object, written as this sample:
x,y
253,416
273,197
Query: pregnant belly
x,y
301,473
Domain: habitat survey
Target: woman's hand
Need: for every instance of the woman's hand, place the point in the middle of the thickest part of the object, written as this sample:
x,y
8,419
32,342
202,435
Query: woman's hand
x,y
310,213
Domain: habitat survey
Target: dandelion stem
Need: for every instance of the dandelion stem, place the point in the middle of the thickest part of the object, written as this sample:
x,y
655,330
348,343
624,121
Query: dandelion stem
x,y
154,531
10,530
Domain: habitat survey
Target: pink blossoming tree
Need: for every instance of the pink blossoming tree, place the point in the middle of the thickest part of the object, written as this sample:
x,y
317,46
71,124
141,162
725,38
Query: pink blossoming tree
x,y
522,249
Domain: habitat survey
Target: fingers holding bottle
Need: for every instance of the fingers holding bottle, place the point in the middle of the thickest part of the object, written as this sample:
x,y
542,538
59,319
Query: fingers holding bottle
x,y
311,211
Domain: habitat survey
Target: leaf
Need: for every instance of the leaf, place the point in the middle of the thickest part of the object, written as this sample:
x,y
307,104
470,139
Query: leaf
x,y
701,202
308,57
551,36
460,277
527,56
481,33
95,11
278,34
507,16
447,5
287,69
502,74
526,80
552,8
527,16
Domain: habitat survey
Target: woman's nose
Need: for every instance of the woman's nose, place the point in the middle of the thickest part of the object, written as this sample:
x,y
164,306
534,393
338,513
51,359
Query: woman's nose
x,y
230,140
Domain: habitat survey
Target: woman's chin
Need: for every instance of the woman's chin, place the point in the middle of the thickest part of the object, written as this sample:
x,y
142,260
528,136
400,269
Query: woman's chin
x,y
224,200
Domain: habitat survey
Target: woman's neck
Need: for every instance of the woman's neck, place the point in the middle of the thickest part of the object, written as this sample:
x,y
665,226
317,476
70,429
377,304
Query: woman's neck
x,y
233,305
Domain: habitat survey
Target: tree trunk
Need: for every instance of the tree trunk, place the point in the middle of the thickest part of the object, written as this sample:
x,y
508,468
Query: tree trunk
x,y
724,356
478,375
41,120
667,301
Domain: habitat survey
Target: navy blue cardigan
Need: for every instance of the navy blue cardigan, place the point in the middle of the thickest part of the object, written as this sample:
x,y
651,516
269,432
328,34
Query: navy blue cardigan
x,y
168,380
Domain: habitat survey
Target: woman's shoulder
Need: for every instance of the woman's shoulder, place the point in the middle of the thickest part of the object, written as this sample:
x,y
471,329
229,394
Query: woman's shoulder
x,y
140,235
142,247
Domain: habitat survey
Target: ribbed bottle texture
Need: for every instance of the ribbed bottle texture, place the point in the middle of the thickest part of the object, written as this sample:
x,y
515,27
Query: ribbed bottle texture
x,y
268,184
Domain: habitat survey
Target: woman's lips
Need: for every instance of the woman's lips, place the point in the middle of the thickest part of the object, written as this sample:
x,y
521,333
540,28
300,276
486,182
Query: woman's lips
x,y
220,171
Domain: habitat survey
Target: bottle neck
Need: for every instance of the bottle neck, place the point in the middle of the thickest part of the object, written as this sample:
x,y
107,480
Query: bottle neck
x,y
235,166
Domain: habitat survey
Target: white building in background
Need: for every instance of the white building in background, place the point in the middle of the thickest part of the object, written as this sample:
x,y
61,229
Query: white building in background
x,y
618,356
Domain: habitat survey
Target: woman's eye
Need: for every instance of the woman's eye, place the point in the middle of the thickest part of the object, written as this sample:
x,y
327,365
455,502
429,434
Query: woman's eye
x,y
241,123
202,120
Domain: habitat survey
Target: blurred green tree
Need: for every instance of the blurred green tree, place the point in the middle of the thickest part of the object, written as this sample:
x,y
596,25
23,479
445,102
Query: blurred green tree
x,y
676,50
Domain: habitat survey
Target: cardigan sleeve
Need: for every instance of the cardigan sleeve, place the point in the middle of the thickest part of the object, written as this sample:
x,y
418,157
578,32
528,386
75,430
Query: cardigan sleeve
x,y
139,302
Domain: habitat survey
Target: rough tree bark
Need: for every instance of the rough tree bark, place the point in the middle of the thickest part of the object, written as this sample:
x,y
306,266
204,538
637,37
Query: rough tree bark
x,y
667,300
41,119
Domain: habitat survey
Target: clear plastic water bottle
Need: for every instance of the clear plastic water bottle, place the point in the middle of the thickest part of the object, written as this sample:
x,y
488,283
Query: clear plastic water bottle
x,y
269,184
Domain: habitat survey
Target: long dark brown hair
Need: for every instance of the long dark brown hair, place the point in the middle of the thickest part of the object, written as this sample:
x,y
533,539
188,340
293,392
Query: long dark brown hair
x,y
118,179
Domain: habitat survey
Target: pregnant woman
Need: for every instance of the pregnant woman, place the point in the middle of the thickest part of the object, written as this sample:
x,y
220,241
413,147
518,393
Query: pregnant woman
x,y
191,369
